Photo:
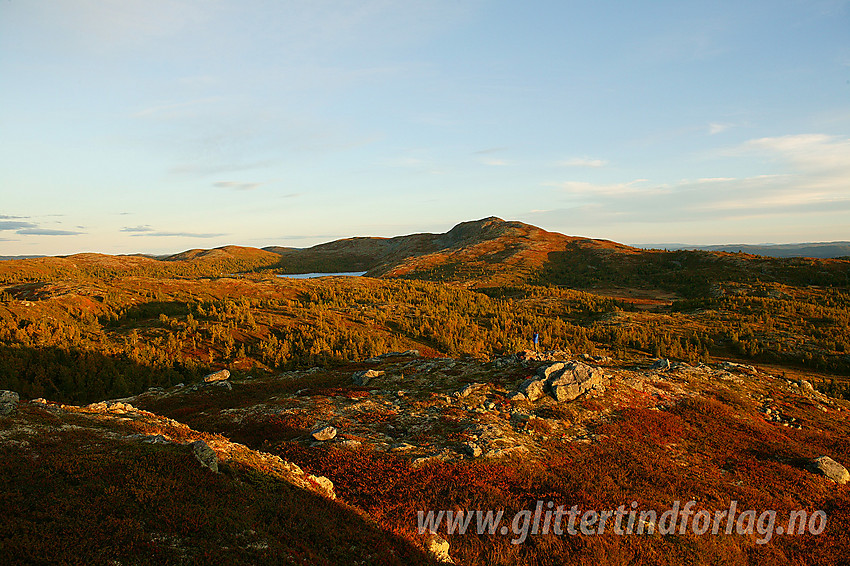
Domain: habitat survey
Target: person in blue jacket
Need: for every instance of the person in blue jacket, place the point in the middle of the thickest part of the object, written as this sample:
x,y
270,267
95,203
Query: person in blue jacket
x,y
536,339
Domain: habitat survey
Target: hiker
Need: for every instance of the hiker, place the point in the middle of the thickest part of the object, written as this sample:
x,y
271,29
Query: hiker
x,y
535,339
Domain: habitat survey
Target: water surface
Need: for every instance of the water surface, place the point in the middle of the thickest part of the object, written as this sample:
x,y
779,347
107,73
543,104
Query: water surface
x,y
314,275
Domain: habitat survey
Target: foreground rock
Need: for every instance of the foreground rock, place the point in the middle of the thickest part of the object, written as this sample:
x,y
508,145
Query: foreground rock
x,y
217,376
205,455
532,388
576,379
828,467
564,381
324,433
361,378
8,402
438,548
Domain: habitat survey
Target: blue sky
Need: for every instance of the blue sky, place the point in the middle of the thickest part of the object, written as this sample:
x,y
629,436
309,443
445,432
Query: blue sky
x,y
163,125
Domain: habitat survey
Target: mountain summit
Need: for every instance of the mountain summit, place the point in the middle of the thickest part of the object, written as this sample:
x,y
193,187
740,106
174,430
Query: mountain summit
x,y
490,250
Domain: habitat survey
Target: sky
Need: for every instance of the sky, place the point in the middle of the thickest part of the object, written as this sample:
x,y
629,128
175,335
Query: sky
x,y
157,126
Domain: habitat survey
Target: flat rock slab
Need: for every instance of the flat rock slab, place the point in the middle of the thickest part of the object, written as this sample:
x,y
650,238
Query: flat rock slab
x,y
828,467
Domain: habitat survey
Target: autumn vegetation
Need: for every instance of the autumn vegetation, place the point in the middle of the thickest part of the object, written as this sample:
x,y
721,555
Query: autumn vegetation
x,y
90,327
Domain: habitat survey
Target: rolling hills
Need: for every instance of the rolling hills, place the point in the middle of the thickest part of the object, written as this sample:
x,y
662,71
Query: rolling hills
x,y
666,376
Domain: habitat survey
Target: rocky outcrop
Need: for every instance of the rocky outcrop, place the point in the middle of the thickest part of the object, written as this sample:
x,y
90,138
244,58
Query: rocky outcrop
x,y
118,407
362,378
8,402
438,549
205,455
547,356
563,381
217,376
325,433
828,467
532,389
546,372
414,353
471,389
574,380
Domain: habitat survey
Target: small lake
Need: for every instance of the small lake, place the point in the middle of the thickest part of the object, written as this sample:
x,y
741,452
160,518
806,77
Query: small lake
x,y
314,275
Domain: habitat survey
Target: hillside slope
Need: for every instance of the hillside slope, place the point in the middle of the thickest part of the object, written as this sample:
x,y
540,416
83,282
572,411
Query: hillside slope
x,y
118,482
490,251
493,252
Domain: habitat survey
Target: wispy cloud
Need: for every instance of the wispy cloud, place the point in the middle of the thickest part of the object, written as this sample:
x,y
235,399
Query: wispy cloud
x,y
810,153
14,224
237,185
583,162
47,232
145,228
813,178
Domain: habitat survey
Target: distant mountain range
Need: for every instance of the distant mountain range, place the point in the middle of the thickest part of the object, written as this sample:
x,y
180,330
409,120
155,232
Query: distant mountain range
x,y
8,257
485,253
807,249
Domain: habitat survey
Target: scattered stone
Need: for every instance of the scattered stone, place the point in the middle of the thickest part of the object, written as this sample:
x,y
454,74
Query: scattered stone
x,y
740,368
438,548
401,447
224,384
547,356
598,359
324,434
806,385
662,364
349,443
217,376
362,378
472,449
110,406
532,388
205,455
470,389
324,485
828,467
396,355
517,396
150,438
8,402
